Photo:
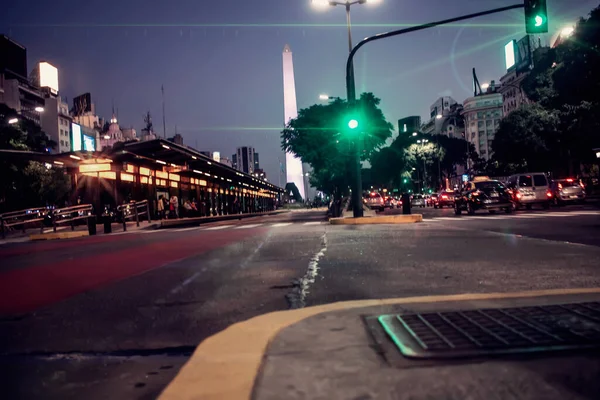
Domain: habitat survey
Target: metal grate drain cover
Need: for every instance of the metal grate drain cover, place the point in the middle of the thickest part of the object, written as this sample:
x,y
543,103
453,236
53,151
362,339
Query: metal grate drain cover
x,y
495,331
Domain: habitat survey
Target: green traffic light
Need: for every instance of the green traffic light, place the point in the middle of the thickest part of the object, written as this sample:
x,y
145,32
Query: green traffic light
x,y
353,124
539,20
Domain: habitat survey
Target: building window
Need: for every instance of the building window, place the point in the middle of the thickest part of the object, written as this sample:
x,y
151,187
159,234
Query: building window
x,y
480,124
479,114
488,123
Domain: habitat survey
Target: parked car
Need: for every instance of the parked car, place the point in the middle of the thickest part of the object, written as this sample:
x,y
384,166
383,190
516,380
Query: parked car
x,y
530,189
418,200
374,201
445,198
483,193
567,191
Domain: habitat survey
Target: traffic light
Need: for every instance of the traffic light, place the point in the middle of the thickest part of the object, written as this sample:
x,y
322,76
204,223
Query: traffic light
x,y
536,16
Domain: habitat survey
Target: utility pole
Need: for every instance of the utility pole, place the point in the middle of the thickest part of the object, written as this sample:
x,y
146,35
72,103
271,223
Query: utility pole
x,y
162,88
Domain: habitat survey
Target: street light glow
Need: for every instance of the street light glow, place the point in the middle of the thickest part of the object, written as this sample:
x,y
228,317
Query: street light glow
x,y
353,124
13,121
39,109
567,31
439,116
414,133
321,3
323,97
485,86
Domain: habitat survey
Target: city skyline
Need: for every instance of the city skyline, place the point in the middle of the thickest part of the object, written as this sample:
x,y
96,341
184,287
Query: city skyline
x,y
221,68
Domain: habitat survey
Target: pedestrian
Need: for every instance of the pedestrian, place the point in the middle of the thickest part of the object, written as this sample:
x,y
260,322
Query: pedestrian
x,y
161,207
187,205
174,206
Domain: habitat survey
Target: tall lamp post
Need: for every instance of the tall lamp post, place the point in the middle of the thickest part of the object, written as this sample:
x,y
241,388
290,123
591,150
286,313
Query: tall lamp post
x,y
357,210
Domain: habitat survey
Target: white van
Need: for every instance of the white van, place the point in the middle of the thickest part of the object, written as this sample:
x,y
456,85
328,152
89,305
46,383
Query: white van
x,y
530,188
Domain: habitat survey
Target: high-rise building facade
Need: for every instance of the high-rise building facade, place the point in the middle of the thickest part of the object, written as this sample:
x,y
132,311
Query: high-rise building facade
x,y
56,123
245,159
482,115
256,161
293,164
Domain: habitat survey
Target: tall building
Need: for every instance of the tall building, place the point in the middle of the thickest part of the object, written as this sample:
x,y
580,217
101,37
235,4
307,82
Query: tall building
x,y
15,89
56,123
234,163
84,112
482,114
245,159
256,161
293,165
438,112
177,139
409,124
518,59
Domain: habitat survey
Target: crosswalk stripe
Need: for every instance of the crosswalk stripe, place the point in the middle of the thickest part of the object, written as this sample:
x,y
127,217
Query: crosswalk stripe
x,y
448,219
216,228
185,229
247,226
313,223
281,225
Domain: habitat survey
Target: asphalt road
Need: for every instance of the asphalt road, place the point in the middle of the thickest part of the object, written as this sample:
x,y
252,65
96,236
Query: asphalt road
x,y
117,316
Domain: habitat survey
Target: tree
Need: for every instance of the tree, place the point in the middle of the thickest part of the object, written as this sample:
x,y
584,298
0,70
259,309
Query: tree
x,y
25,183
528,139
565,81
321,138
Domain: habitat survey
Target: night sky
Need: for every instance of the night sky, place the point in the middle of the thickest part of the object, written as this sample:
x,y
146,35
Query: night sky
x,y
220,61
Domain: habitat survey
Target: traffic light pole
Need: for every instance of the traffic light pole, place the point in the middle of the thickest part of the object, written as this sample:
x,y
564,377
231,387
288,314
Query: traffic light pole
x,y
351,89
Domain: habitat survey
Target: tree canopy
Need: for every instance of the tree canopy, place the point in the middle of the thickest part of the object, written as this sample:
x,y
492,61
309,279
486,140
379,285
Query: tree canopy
x,y
26,183
321,138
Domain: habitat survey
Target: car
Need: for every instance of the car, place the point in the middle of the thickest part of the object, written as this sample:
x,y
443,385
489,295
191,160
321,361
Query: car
x,y
445,198
374,201
418,200
567,191
432,200
483,193
530,189
390,202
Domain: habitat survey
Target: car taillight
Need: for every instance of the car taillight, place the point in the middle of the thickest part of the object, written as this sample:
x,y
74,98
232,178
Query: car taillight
x,y
548,194
519,195
444,196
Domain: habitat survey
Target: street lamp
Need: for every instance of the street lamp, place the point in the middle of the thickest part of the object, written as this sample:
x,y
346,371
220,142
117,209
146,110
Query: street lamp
x,y
439,116
414,133
326,97
39,109
13,121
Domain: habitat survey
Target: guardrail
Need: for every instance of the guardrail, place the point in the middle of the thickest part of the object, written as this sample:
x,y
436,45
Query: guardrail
x,y
132,210
71,214
23,218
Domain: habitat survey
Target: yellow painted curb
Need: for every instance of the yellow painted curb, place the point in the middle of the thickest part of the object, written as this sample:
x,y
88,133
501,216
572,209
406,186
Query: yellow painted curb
x,y
387,219
225,365
58,235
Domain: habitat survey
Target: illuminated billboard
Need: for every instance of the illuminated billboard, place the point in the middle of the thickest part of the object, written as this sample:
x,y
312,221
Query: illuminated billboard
x,y
48,76
216,156
89,143
75,137
509,54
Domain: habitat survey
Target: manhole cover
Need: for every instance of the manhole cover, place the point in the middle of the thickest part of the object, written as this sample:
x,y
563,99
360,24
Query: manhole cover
x,y
495,331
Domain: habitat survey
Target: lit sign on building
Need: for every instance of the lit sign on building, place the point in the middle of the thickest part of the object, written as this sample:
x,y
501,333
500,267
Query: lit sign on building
x,y
75,137
216,156
48,76
509,54
89,143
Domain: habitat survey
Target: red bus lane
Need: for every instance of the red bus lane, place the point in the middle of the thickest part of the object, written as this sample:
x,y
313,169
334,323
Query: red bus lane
x,y
25,290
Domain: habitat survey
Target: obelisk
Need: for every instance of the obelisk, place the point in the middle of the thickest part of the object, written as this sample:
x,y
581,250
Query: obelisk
x,y
293,164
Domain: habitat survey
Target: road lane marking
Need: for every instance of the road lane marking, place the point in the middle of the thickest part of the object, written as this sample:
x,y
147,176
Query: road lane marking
x,y
216,228
186,229
248,226
448,219
185,283
313,223
282,224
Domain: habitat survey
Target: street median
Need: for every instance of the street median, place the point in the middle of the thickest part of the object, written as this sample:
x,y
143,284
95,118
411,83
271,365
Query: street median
x,y
58,235
385,219
181,222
